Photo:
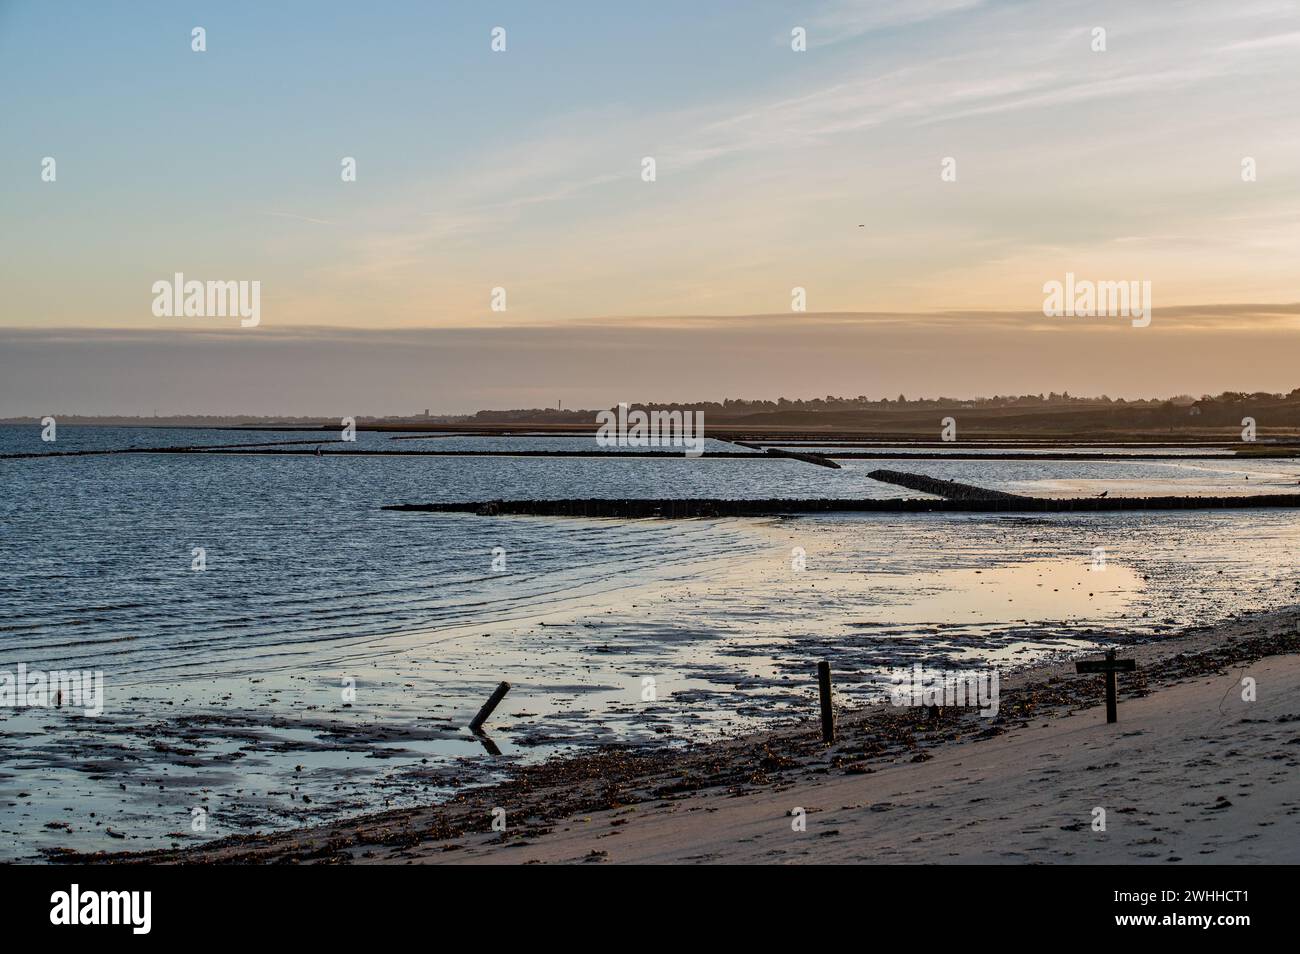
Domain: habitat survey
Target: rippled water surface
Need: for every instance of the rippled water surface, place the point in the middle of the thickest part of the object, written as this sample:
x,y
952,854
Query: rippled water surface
x,y
326,659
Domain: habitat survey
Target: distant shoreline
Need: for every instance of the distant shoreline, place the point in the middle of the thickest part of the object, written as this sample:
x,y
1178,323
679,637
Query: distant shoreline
x,y
922,435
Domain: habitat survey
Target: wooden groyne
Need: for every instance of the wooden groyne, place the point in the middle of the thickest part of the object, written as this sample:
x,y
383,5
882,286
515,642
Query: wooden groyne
x,y
262,447
331,449
818,459
940,488
680,509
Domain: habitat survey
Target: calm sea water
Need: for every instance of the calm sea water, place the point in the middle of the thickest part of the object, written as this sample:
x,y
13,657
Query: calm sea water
x,y
98,552
225,686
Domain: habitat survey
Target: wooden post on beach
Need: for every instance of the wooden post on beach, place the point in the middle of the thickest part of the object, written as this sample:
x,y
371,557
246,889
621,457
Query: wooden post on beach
x,y
828,714
1112,691
1110,665
493,701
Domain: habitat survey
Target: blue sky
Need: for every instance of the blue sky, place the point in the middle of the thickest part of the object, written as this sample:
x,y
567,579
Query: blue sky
x,y
521,169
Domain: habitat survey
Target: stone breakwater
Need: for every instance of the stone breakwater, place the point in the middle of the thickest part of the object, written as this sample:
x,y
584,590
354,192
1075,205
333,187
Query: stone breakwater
x,y
710,508
941,488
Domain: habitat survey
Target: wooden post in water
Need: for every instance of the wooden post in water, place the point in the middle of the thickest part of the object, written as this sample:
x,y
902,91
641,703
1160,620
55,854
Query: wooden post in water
x,y
493,701
828,713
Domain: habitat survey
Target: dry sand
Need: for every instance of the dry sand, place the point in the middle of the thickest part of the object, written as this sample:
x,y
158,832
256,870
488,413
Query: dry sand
x,y
1179,779
1191,773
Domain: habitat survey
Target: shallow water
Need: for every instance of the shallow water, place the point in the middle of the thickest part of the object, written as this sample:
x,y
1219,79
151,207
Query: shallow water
x,y
960,449
1121,478
225,688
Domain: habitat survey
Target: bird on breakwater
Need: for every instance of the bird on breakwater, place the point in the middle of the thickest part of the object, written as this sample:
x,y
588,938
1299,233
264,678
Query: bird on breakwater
x,y
1103,493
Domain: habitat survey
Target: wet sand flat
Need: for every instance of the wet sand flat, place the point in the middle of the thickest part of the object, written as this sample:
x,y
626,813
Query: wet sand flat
x,y
1191,773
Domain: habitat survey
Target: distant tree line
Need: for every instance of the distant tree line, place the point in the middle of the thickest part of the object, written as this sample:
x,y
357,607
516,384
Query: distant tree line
x,y
1210,405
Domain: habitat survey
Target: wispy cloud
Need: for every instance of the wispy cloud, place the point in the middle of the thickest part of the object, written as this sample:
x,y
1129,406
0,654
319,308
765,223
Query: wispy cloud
x,y
1124,161
1281,41
849,19
299,218
364,371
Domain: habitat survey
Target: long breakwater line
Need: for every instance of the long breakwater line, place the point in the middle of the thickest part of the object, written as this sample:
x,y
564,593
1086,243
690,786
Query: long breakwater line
x,y
331,448
680,509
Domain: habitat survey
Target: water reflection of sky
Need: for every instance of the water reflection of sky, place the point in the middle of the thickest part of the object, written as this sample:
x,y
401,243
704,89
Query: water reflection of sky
x,y
221,685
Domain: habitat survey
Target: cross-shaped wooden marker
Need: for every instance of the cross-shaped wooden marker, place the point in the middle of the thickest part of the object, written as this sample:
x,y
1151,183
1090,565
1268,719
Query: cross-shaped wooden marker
x,y
1110,665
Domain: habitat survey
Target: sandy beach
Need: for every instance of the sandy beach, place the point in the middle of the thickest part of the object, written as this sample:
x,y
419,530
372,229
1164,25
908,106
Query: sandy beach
x,y
1192,773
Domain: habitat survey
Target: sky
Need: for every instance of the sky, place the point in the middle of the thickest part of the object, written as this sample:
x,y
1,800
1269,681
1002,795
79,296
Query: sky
x,y
522,169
